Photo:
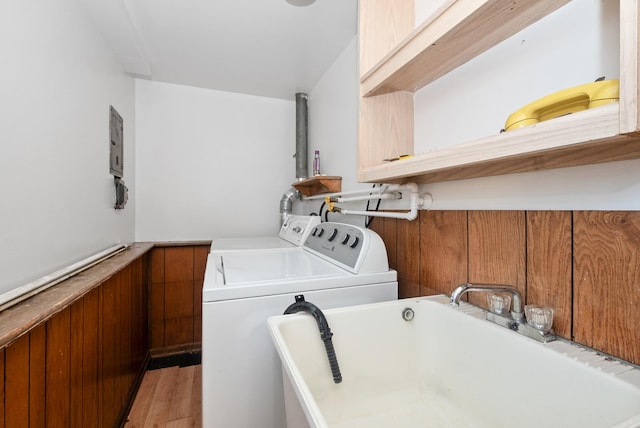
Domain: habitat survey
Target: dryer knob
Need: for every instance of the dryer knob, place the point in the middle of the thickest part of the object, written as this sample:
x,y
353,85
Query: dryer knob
x,y
355,242
333,235
346,239
320,232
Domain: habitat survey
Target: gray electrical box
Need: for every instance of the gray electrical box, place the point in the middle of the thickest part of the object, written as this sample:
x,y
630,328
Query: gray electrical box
x,y
116,146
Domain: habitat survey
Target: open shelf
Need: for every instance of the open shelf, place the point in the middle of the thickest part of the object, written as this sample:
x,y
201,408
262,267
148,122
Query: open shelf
x,y
550,144
319,184
456,33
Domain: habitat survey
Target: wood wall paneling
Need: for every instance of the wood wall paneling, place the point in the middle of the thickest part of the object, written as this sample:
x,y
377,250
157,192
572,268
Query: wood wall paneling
x,y
583,264
496,250
443,251
606,282
77,361
179,312
178,264
109,349
156,266
139,310
200,255
2,394
408,258
175,297
156,298
125,373
178,303
388,230
37,376
57,372
17,383
91,358
549,265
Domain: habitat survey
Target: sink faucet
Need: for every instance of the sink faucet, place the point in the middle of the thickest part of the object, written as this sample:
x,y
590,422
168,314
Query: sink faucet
x,y
517,312
516,321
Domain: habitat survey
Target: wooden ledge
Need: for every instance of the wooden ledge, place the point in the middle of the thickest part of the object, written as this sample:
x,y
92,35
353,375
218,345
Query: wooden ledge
x,y
319,184
23,317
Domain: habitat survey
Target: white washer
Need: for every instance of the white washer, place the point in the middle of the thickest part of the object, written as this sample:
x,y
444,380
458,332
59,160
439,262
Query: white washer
x,y
338,265
293,232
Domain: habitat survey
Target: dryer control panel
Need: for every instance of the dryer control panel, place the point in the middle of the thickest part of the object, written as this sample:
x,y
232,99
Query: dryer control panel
x,y
354,248
296,228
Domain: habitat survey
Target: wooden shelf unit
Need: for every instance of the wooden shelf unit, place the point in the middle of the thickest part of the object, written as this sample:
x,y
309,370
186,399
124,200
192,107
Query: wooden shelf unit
x,y
396,61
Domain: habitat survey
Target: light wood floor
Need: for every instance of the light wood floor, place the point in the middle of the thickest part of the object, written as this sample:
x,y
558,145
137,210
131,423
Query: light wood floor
x,y
169,397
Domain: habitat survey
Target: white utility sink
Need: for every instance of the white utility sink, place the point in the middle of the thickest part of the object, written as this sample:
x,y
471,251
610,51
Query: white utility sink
x,y
447,367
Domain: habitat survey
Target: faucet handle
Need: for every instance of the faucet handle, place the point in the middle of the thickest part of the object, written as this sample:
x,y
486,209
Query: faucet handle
x,y
539,317
499,303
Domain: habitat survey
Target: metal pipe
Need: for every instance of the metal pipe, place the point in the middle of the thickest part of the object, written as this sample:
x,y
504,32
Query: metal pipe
x,y
302,167
517,312
286,203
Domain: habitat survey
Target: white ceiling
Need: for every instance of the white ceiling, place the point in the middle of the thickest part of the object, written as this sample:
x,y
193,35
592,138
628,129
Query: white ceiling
x,y
260,47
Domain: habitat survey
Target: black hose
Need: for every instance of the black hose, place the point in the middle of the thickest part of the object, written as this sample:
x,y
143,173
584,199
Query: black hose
x,y
369,219
325,332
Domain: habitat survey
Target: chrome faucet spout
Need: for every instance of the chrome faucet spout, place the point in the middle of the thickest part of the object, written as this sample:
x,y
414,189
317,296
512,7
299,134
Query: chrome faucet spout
x,y
516,297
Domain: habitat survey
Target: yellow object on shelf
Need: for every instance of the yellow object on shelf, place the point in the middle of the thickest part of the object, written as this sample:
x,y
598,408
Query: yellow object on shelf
x,y
566,101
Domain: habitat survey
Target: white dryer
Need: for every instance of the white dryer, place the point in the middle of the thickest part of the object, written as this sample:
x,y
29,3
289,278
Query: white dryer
x,y
293,232
338,265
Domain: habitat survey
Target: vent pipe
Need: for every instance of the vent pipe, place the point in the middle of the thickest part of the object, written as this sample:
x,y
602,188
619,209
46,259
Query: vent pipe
x,y
302,167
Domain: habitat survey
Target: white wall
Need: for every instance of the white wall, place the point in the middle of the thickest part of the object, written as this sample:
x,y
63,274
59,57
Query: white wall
x,y
333,128
57,81
210,163
575,45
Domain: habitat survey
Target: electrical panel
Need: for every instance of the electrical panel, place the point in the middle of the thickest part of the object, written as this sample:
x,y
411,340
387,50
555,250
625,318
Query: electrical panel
x,y
116,147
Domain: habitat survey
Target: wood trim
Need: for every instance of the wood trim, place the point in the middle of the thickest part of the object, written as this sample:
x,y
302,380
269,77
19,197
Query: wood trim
x,y
168,351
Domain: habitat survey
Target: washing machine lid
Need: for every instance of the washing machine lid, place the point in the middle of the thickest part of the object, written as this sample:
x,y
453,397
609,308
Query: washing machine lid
x,y
262,273
253,243
269,266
